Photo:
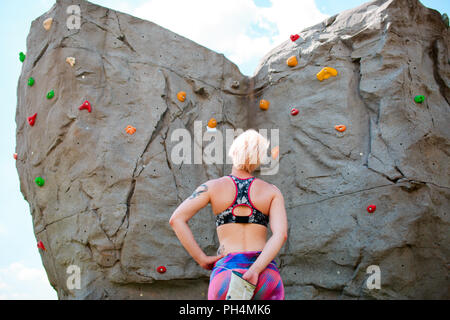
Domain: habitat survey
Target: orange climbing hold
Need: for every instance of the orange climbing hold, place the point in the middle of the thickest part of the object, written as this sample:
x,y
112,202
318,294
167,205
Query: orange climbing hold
x,y
71,61
40,245
327,72
130,129
292,61
181,96
275,152
212,123
264,104
47,23
340,128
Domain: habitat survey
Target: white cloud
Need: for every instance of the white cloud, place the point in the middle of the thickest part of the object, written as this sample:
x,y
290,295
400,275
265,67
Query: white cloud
x,y
237,28
17,281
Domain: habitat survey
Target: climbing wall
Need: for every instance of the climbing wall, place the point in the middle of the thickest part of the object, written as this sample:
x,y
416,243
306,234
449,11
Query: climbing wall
x,y
361,105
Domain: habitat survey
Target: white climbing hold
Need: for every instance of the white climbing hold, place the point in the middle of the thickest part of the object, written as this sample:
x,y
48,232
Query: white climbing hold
x,y
71,61
47,23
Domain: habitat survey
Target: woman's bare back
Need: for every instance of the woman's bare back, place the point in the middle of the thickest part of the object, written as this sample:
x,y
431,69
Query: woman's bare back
x,y
240,237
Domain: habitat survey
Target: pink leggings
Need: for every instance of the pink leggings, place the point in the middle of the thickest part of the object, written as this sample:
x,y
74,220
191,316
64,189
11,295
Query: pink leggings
x,y
269,286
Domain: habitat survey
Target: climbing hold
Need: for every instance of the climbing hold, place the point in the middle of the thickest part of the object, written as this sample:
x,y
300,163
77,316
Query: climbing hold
x,y
22,56
47,23
161,269
212,124
327,72
294,37
181,96
445,19
130,129
50,94
419,98
294,111
235,84
40,245
71,61
264,104
86,105
340,128
32,119
275,152
31,81
15,156
292,61
39,181
371,208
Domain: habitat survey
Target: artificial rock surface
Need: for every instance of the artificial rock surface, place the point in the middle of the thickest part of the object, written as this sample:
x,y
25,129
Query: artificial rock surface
x,y
108,195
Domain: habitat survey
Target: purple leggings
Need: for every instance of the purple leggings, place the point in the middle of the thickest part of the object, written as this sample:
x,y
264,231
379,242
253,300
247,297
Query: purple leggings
x,y
269,286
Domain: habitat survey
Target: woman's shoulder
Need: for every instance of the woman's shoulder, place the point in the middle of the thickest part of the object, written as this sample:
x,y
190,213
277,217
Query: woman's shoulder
x,y
267,186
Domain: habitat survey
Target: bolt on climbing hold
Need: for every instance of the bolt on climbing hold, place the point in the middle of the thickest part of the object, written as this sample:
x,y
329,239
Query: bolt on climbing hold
x,y
40,245
47,23
22,56
212,124
419,98
292,61
86,105
50,94
264,104
325,73
294,111
15,156
31,81
181,96
275,152
39,181
340,128
71,61
371,208
294,37
445,19
130,129
161,269
32,119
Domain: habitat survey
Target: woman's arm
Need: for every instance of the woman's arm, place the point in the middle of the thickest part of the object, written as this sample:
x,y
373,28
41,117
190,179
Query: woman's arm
x,y
185,211
278,225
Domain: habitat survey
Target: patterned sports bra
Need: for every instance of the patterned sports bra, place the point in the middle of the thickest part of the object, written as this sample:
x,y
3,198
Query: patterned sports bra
x,y
242,198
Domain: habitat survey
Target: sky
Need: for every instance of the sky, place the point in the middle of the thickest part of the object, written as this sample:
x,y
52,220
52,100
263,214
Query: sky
x,y
243,30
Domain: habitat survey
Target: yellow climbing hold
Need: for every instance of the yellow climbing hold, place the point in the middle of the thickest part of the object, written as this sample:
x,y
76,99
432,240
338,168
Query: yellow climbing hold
x,y
181,96
292,61
327,72
264,104
71,61
47,23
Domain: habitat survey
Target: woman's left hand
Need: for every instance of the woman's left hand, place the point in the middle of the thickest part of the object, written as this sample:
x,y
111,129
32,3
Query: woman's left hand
x,y
251,276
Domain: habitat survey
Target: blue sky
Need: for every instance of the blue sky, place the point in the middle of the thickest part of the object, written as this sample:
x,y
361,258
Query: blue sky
x,y
251,29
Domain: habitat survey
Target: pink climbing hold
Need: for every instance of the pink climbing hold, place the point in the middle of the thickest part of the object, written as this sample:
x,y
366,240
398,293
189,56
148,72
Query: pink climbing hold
x,y
161,269
294,37
86,105
32,119
40,245
371,208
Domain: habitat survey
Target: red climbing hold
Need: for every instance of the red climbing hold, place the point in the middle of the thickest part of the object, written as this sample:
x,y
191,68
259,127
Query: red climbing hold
x,y
161,269
294,37
86,105
32,119
371,208
294,111
15,156
40,245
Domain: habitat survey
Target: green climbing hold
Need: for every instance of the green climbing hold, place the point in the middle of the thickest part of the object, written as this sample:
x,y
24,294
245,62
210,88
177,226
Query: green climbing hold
x,y
419,98
31,81
445,19
22,57
39,181
50,94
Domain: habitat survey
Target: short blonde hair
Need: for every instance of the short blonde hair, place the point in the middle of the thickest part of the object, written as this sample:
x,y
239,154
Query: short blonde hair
x,y
248,150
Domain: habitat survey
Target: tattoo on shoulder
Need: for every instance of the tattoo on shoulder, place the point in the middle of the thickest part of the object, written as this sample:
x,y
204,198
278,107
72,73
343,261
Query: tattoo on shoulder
x,y
198,191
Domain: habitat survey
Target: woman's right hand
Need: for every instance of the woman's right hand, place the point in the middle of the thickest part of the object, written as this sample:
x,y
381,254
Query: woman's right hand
x,y
207,262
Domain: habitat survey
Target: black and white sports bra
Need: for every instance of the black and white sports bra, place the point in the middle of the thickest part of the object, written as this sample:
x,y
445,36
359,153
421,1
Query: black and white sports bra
x,y
242,198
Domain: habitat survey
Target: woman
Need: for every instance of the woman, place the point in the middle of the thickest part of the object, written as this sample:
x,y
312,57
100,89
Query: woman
x,y
243,206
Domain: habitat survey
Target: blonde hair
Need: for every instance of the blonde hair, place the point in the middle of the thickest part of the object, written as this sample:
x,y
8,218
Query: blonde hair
x,y
248,150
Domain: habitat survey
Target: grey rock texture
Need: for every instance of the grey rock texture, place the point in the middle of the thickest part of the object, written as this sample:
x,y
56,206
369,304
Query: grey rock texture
x,y
108,195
